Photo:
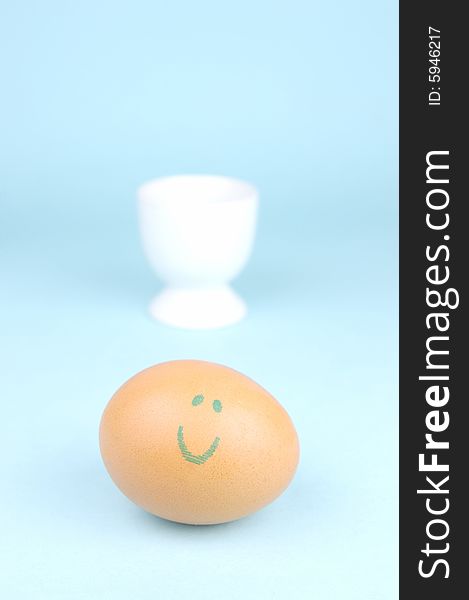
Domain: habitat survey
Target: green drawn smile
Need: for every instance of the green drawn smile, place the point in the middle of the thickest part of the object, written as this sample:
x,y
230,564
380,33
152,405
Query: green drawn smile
x,y
198,459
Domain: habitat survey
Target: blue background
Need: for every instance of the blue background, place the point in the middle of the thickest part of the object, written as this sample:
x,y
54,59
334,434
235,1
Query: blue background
x,y
300,98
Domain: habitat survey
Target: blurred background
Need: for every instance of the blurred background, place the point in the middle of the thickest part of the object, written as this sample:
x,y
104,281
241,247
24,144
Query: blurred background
x,y
299,98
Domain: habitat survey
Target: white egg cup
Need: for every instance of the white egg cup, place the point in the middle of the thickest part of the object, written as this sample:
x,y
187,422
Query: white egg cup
x,y
197,232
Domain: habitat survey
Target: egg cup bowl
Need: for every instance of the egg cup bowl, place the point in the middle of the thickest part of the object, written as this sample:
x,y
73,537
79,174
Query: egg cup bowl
x,y
197,233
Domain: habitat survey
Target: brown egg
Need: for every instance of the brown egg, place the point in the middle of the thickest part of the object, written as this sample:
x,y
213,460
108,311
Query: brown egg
x,y
196,442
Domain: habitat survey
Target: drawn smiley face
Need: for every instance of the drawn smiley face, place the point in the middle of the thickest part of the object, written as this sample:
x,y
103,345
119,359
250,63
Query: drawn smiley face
x,y
198,459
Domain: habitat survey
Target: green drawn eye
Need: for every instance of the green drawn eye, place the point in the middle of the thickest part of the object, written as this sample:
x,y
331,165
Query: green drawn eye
x,y
217,406
197,400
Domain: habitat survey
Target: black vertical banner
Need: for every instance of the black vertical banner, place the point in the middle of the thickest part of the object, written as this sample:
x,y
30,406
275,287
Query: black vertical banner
x,y
434,256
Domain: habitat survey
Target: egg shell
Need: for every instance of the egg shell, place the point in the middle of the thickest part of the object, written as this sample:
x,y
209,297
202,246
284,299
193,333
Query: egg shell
x,y
197,442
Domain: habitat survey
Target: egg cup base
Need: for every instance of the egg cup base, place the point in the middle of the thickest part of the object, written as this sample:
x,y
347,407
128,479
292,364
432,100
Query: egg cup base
x,y
198,308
